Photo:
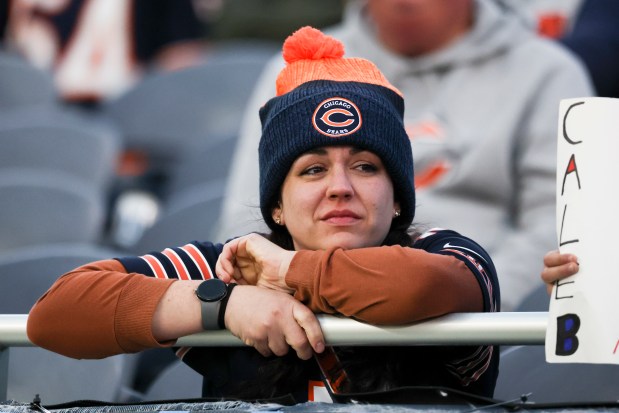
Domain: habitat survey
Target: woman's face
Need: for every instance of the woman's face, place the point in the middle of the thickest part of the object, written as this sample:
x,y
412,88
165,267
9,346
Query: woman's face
x,y
337,197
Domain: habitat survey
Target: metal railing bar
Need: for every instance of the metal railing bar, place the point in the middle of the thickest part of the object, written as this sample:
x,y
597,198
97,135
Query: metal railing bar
x,y
517,328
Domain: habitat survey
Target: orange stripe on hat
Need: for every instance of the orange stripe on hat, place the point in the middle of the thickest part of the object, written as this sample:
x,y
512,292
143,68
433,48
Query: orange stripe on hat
x,y
312,55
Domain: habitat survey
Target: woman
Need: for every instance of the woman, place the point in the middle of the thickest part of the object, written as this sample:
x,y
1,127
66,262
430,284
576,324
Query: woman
x,y
336,189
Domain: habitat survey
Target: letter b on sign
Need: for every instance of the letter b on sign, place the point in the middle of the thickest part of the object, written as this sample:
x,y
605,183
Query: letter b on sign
x,y
567,327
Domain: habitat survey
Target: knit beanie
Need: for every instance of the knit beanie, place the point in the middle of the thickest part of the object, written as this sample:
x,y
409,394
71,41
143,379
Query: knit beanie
x,y
324,99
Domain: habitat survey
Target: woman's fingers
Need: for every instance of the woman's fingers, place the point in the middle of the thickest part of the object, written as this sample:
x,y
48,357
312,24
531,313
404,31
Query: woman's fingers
x,y
272,322
224,268
307,320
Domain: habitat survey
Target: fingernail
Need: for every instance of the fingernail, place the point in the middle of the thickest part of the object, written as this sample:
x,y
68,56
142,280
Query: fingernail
x,y
320,347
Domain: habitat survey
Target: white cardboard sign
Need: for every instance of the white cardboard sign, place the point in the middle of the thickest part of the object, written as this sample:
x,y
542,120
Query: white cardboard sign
x,y
583,324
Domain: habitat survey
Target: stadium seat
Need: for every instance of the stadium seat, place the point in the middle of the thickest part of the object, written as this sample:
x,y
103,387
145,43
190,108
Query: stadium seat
x,y
43,207
169,114
25,274
59,379
523,370
210,163
190,215
59,140
176,381
22,84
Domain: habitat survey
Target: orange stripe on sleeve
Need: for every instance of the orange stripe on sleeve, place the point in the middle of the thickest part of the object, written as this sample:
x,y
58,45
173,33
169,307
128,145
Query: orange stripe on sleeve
x,y
181,270
199,260
155,266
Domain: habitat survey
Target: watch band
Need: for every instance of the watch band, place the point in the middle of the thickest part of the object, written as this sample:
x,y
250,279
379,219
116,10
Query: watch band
x,y
210,315
213,295
224,304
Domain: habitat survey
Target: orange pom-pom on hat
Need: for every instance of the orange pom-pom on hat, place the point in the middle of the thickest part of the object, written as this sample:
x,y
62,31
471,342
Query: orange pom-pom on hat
x,y
310,43
312,55
324,99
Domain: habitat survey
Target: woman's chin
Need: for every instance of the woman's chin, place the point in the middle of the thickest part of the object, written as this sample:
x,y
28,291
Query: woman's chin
x,y
346,240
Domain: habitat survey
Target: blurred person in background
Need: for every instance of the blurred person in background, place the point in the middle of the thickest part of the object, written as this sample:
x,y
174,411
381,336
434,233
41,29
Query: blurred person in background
x,y
594,37
587,27
98,49
482,92
549,18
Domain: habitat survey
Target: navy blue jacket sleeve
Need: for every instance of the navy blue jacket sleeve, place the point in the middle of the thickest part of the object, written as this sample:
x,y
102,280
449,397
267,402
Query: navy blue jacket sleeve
x,y
447,242
193,261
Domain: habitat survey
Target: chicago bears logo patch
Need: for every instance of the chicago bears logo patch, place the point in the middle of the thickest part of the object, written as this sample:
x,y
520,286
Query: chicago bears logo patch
x,y
336,117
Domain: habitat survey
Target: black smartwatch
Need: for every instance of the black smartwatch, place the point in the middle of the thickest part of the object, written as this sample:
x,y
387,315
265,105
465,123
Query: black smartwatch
x,y
212,293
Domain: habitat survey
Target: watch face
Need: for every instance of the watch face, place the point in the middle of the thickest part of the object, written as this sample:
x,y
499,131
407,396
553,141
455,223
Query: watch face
x,y
212,290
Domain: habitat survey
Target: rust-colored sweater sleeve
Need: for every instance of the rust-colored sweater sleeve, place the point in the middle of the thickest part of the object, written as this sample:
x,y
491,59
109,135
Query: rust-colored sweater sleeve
x,y
96,311
383,285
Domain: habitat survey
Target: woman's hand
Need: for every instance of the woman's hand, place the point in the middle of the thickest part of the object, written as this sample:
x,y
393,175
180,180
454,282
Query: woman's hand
x,y
558,266
272,322
254,260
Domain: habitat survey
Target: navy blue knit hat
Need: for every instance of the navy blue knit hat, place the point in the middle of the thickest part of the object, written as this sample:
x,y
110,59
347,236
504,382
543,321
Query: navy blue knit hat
x,y
324,99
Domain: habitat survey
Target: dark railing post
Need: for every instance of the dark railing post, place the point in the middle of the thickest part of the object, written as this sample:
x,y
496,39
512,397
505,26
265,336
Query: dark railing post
x,y
4,371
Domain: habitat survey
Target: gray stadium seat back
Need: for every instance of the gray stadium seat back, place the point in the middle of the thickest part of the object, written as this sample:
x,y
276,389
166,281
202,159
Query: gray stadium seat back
x,y
176,381
211,163
27,272
190,215
169,114
22,84
523,370
59,379
50,139
43,207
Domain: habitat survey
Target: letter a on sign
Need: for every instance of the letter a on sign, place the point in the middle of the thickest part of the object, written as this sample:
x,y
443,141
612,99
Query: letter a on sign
x,y
571,169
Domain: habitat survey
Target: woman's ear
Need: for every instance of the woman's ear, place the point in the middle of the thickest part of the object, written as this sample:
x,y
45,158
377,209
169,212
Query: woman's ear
x,y
278,214
397,210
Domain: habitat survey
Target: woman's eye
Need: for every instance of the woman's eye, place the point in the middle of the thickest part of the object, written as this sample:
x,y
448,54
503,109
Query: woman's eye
x,y
366,167
312,170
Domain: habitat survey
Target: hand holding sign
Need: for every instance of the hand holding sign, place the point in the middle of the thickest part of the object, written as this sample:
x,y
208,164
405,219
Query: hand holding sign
x,y
582,325
558,266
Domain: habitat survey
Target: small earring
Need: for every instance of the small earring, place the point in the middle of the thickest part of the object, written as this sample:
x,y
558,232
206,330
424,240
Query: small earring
x,y
278,221
396,213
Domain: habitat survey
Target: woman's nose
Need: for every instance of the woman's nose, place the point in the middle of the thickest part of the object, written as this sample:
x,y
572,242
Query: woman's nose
x,y
339,184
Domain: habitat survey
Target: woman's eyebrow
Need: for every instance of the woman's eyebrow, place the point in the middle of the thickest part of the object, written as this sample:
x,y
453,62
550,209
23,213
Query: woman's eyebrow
x,y
322,151
316,151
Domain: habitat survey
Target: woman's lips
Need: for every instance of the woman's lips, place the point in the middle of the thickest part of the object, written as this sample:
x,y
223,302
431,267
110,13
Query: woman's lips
x,y
344,217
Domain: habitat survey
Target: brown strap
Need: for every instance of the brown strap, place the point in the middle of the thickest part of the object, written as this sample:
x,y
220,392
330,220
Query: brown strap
x,y
333,373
